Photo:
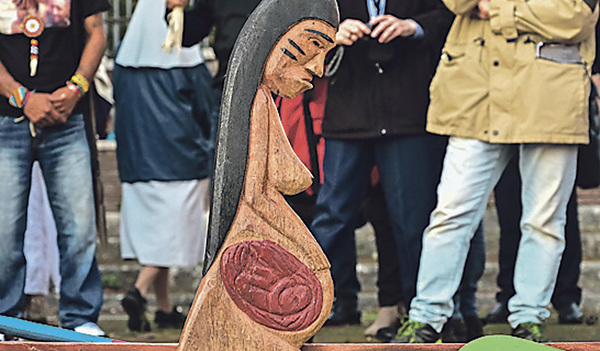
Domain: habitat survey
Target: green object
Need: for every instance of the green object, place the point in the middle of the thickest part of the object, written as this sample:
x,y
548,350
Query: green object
x,y
531,331
413,332
504,343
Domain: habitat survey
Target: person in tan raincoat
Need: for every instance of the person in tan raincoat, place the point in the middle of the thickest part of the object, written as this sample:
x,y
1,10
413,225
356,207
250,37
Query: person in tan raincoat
x,y
513,78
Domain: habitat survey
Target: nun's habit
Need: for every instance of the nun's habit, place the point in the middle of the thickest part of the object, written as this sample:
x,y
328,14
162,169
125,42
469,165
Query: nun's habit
x,y
165,111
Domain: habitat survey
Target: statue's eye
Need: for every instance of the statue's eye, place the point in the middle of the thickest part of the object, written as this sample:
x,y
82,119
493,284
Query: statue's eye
x,y
317,43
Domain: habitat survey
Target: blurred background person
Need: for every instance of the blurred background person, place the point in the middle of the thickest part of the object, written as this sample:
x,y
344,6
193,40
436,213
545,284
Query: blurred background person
x,y
42,118
375,115
164,106
41,250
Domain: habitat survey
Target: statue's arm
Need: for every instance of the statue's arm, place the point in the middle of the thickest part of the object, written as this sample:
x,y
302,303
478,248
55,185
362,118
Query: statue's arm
x,y
256,167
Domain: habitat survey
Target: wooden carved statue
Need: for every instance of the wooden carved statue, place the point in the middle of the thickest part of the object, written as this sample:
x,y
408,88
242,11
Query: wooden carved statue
x,y
269,285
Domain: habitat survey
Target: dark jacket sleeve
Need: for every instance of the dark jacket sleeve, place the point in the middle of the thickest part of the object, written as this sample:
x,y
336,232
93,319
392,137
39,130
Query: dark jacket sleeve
x,y
435,23
197,22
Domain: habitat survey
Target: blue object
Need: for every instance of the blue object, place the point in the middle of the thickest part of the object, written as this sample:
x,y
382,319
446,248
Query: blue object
x,y
41,332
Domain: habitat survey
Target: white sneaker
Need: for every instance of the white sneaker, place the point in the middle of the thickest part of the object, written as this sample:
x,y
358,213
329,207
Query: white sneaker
x,y
9,338
90,328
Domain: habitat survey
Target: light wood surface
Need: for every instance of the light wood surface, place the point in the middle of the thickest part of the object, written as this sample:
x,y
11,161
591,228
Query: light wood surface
x,y
269,287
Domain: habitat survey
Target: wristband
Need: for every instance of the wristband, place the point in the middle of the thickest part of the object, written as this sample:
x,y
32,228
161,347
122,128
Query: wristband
x,y
17,97
27,96
81,82
75,89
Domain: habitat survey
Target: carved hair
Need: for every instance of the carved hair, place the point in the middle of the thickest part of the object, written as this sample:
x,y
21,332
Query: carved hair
x,y
264,27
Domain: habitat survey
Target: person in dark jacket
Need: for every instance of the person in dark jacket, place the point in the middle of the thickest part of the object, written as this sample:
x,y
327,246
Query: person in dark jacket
x,y
375,115
227,17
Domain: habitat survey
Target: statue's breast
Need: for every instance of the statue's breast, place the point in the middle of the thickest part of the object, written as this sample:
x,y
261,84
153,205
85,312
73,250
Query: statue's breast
x,y
285,170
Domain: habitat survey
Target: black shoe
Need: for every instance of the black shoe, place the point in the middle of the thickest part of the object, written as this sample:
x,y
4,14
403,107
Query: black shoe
x,y
343,313
474,327
174,320
389,320
570,314
386,334
454,331
416,332
530,331
498,315
135,306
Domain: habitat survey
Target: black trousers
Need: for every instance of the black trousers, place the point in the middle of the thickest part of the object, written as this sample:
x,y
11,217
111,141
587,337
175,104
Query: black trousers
x,y
508,205
373,210
389,279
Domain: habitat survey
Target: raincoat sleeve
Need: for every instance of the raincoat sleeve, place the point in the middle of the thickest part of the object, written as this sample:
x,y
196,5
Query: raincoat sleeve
x,y
560,21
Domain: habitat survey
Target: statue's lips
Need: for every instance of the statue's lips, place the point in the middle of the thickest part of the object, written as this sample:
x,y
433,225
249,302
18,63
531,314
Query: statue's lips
x,y
307,80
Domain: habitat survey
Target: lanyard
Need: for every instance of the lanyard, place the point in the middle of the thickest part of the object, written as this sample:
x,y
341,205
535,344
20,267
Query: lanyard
x,y
376,7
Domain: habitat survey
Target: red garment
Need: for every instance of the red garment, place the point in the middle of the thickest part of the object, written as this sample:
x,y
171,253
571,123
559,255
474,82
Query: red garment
x,y
292,118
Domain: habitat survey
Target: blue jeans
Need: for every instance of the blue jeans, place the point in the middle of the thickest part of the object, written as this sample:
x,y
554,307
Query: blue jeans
x,y
471,170
508,205
409,169
64,157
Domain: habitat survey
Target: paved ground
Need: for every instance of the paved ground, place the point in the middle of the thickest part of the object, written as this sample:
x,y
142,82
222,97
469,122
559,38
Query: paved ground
x,y
119,275
354,334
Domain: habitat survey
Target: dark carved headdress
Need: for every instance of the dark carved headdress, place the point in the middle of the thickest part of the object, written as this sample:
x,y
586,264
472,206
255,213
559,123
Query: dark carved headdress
x,y
269,21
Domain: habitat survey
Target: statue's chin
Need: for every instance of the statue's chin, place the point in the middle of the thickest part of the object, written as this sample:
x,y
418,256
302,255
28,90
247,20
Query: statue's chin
x,y
296,90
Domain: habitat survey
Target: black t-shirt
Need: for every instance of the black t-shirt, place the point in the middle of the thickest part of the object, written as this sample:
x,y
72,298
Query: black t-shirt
x,y
60,44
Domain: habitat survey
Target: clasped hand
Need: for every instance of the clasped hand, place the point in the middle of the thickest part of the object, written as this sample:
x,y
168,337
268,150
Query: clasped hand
x,y
385,29
174,3
482,10
46,110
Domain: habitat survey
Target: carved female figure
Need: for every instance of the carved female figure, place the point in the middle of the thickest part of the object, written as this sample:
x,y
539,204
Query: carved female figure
x,y
269,287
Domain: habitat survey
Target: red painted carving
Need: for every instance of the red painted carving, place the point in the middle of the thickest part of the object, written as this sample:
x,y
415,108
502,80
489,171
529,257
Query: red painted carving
x,y
271,285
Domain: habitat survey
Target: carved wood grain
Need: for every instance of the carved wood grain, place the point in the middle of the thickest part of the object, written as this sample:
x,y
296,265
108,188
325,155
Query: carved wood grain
x,y
269,287
215,321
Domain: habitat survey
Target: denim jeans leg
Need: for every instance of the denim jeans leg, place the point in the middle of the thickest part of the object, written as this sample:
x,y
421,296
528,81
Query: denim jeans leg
x,y
470,171
15,174
65,161
548,174
410,167
347,166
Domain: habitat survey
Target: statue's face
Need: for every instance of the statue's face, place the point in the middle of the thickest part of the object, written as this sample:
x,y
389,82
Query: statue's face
x,y
298,56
